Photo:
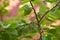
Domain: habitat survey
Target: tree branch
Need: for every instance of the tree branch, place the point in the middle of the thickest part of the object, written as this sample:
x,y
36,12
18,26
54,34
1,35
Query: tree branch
x,y
39,25
34,11
48,11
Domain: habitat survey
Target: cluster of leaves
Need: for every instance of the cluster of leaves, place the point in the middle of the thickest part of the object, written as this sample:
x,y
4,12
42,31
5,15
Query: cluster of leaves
x,y
15,28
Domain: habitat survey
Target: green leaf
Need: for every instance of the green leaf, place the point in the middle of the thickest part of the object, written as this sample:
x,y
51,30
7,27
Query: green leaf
x,y
30,35
43,22
48,37
22,31
57,28
42,8
52,31
27,10
24,20
40,14
4,24
27,37
33,34
2,7
33,27
52,0
4,11
12,32
37,2
5,36
13,24
25,1
51,16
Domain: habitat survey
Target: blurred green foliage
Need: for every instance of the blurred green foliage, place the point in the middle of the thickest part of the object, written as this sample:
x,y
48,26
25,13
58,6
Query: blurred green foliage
x,y
13,29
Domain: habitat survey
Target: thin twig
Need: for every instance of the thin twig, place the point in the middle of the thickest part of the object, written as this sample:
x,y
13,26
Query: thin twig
x,y
25,24
34,10
48,11
29,23
39,26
